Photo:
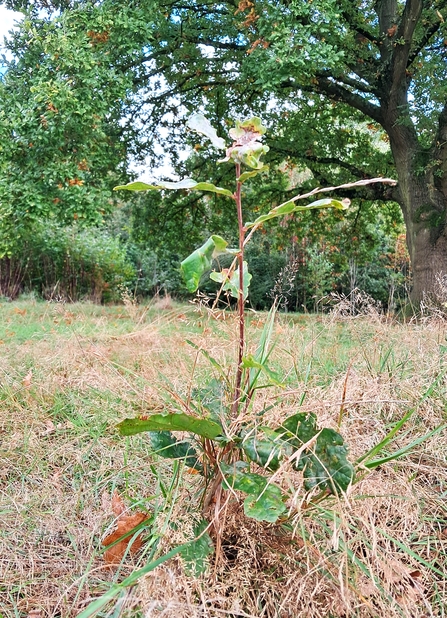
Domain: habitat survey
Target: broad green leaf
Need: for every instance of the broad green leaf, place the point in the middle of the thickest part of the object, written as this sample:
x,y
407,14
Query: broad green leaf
x,y
265,448
246,175
186,183
170,422
194,266
264,501
298,429
249,362
231,282
166,445
324,464
201,124
208,186
196,552
289,207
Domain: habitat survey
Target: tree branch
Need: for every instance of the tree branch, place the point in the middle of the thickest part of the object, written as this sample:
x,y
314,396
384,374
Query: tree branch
x,y
401,51
430,31
348,81
339,93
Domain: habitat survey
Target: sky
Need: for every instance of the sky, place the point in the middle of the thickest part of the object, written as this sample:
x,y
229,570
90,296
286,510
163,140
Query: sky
x,y
7,19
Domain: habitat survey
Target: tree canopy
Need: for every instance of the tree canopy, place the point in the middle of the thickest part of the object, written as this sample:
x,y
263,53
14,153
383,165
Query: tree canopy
x,y
348,90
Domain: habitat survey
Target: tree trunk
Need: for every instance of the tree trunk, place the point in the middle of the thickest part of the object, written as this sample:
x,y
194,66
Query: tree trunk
x,y
424,207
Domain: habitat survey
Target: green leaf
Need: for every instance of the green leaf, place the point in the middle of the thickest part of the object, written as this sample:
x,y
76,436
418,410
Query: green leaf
x,y
264,348
201,124
264,501
212,398
186,183
166,445
231,282
298,429
249,362
325,464
196,552
265,448
208,186
195,265
289,207
246,175
249,154
171,422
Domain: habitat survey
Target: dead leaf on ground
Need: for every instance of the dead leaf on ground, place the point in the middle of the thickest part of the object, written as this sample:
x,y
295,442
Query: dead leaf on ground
x,y
118,506
28,379
125,526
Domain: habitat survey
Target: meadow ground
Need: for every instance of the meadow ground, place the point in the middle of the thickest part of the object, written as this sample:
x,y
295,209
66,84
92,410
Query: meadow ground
x,y
70,373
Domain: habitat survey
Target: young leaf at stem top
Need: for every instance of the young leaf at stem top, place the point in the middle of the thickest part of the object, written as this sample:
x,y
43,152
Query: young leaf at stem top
x,y
200,124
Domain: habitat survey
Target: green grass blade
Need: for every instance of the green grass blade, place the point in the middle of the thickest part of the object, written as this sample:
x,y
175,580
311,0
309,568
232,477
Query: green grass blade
x,y
209,358
115,590
390,435
404,450
411,553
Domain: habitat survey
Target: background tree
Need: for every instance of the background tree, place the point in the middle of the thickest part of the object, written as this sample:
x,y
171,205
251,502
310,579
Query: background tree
x,y
381,64
357,89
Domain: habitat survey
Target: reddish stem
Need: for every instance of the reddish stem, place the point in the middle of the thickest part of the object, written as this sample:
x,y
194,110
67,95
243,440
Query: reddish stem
x,y
240,300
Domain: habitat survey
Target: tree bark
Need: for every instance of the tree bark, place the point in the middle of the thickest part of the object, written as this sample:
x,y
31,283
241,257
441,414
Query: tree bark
x,y
424,206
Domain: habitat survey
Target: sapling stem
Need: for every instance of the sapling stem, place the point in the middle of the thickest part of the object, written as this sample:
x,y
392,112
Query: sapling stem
x,y
240,300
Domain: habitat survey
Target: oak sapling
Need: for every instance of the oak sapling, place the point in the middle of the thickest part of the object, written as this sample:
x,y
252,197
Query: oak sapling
x,y
225,439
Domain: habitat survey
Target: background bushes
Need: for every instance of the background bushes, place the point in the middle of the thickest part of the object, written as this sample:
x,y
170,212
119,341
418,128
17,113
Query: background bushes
x,y
67,263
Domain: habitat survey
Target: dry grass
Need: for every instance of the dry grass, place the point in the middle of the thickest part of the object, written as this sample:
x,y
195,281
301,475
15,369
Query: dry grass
x,y
68,374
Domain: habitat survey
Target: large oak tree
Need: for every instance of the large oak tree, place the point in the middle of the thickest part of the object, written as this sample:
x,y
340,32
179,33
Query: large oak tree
x,y
336,76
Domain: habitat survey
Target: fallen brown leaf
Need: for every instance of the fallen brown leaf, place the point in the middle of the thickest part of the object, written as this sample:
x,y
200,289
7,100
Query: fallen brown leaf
x,y
125,526
28,379
118,506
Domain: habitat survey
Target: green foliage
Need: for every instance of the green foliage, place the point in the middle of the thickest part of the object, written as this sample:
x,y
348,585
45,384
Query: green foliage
x,y
197,551
325,465
69,263
121,77
171,422
264,501
166,445
290,207
194,266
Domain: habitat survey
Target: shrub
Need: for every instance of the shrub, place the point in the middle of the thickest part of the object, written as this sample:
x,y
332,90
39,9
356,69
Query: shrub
x,y
67,263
